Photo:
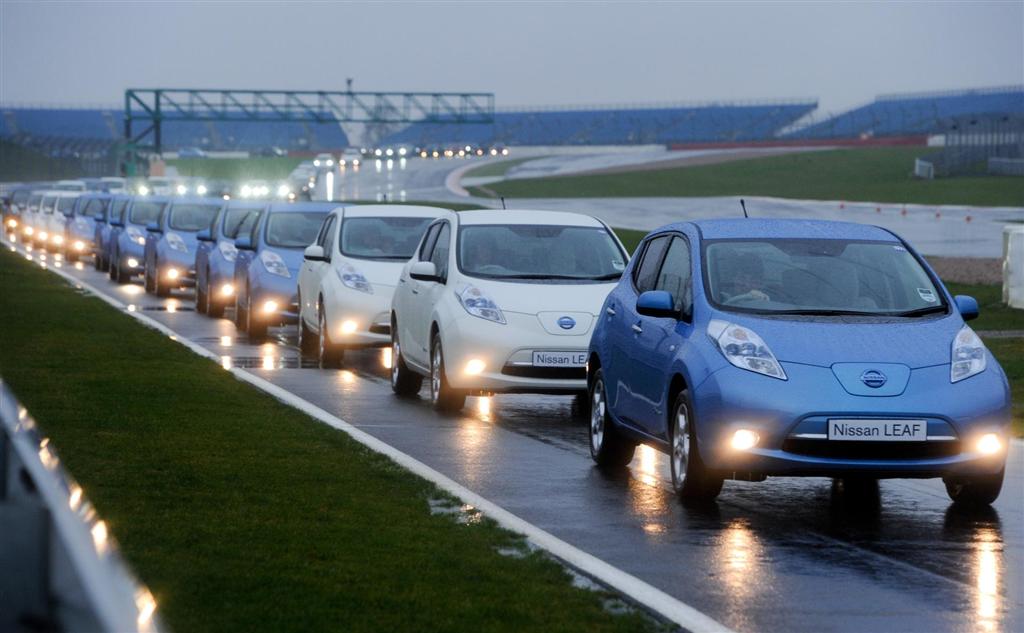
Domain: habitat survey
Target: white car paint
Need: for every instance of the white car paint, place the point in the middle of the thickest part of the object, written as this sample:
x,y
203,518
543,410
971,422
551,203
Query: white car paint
x,y
531,311
320,282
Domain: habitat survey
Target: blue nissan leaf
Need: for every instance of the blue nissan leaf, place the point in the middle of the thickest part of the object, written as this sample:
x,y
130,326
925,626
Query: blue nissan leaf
x,y
128,238
268,261
103,230
215,255
754,348
171,243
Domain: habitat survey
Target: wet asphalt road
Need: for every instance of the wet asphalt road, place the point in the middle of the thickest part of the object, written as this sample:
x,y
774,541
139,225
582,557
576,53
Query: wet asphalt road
x,y
782,555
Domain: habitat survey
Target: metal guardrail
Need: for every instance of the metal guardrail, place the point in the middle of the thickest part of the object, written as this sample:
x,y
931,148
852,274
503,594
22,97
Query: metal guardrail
x,y
60,569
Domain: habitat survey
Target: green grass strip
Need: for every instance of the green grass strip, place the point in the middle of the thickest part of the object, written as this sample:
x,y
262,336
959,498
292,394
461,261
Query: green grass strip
x,y
244,514
879,174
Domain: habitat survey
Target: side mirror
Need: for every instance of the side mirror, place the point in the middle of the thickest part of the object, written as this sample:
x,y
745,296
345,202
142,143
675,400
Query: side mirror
x,y
117,223
244,244
424,271
968,307
154,227
314,253
204,236
656,303
98,217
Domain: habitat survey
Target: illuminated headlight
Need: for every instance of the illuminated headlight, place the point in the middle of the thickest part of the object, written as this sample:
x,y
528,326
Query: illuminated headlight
x,y
246,191
143,190
269,307
136,235
436,154
744,348
227,290
58,239
175,242
423,154
477,303
352,278
968,355
274,264
401,151
504,152
377,152
43,235
355,162
744,440
316,163
283,191
227,251
79,245
989,444
182,190
172,273
330,163
348,327
29,230
389,152
133,263
475,367
201,190
12,223
226,197
494,152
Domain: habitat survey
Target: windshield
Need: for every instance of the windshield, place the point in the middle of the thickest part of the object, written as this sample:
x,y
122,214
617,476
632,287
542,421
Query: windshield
x,y
46,206
145,212
66,205
812,276
238,220
382,238
294,230
117,210
192,217
518,251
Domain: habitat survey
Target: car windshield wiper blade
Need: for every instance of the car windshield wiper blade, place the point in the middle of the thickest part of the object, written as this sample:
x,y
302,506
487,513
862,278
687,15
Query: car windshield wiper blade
x,y
920,311
811,312
531,276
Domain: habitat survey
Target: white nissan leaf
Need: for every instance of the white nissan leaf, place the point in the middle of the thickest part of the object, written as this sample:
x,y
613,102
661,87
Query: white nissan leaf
x,y
349,275
501,302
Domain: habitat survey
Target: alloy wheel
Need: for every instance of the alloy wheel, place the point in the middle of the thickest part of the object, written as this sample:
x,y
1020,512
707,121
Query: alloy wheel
x,y
681,444
597,413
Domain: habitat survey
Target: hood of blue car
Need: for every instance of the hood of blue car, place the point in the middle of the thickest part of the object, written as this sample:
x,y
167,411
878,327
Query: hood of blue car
x,y
913,343
292,258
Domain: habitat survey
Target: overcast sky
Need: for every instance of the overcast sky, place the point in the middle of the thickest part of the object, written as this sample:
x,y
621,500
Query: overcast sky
x,y
527,53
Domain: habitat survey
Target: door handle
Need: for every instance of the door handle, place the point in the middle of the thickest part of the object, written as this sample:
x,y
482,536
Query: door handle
x,y
637,328
415,291
610,310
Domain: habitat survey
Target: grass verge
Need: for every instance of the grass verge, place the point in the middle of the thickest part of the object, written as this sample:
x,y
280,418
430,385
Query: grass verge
x,y
496,168
255,168
877,174
244,514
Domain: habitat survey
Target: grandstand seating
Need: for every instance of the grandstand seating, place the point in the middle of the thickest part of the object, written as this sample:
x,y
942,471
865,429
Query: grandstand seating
x,y
913,114
619,126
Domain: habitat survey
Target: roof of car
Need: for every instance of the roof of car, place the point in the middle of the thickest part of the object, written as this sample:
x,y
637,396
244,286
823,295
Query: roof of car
x,y
743,228
235,203
197,200
520,216
400,210
160,199
300,207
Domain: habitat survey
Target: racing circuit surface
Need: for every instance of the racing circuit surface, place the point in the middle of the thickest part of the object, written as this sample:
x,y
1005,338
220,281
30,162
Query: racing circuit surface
x,y
782,555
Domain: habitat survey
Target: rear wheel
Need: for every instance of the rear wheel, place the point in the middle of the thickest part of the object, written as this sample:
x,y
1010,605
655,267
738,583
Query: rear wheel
x,y
980,490
690,477
607,446
328,353
121,275
112,267
404,381
442,395
240,318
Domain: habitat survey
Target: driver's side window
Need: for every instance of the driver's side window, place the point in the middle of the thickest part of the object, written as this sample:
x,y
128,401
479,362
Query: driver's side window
x,y
428,242
439,256
674,276
646,273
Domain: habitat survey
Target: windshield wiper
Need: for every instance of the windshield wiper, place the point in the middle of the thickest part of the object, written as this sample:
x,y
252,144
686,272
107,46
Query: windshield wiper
x,y
574,277
825,312
921,311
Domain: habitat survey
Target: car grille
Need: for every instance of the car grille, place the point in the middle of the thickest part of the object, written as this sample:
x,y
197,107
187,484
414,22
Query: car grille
x,y
872,450
380,328
552,373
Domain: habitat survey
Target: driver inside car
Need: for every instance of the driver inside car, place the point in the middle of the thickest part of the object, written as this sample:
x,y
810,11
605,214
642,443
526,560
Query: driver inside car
x,y
748,280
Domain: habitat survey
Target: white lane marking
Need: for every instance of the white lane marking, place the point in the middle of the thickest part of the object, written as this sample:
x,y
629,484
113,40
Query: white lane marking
x,y
651,597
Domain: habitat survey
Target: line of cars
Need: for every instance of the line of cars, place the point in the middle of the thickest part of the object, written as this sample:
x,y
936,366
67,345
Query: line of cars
x,y
742,348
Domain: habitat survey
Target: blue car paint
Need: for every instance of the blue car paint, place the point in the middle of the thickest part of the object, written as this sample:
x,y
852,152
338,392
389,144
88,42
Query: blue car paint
x,y
123,247
82,225
824,359
253,283
212,267
103,232
158,253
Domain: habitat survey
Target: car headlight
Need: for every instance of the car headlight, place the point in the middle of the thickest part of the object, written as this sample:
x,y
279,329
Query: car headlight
x,y
182,190
283,191
274,264
175,242
246,191
743,348
228,251
143,190
201,190
352,278
136,235
968,355
477,303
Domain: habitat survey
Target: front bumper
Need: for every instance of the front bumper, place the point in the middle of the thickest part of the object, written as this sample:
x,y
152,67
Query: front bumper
x,y
507,354
358,319
791,420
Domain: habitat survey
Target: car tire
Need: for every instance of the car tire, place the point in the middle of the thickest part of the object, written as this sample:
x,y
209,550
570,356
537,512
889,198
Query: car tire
x,y
444,398
97,262
256,328
112,271
214,307
608,447
159,288
308,343
329,354
240,320
202,300
404,381
122,276
690,477
977,491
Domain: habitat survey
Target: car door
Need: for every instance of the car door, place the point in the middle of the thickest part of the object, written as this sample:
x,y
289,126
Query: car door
x,y
661,338
407,297
311,276
628,335
430,291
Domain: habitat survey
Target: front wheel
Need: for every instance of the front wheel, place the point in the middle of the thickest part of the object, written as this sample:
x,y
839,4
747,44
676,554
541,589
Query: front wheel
x,y
442,395
404,381
980,490
329,353
607,446
202,299
254,325
214,307
308,343
690,477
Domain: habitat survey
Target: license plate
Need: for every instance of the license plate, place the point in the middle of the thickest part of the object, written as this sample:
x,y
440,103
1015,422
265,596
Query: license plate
x,y
878,430
559,359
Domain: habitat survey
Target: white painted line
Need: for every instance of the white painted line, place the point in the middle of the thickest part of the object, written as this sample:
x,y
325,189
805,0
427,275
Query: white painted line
x,y
643,593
